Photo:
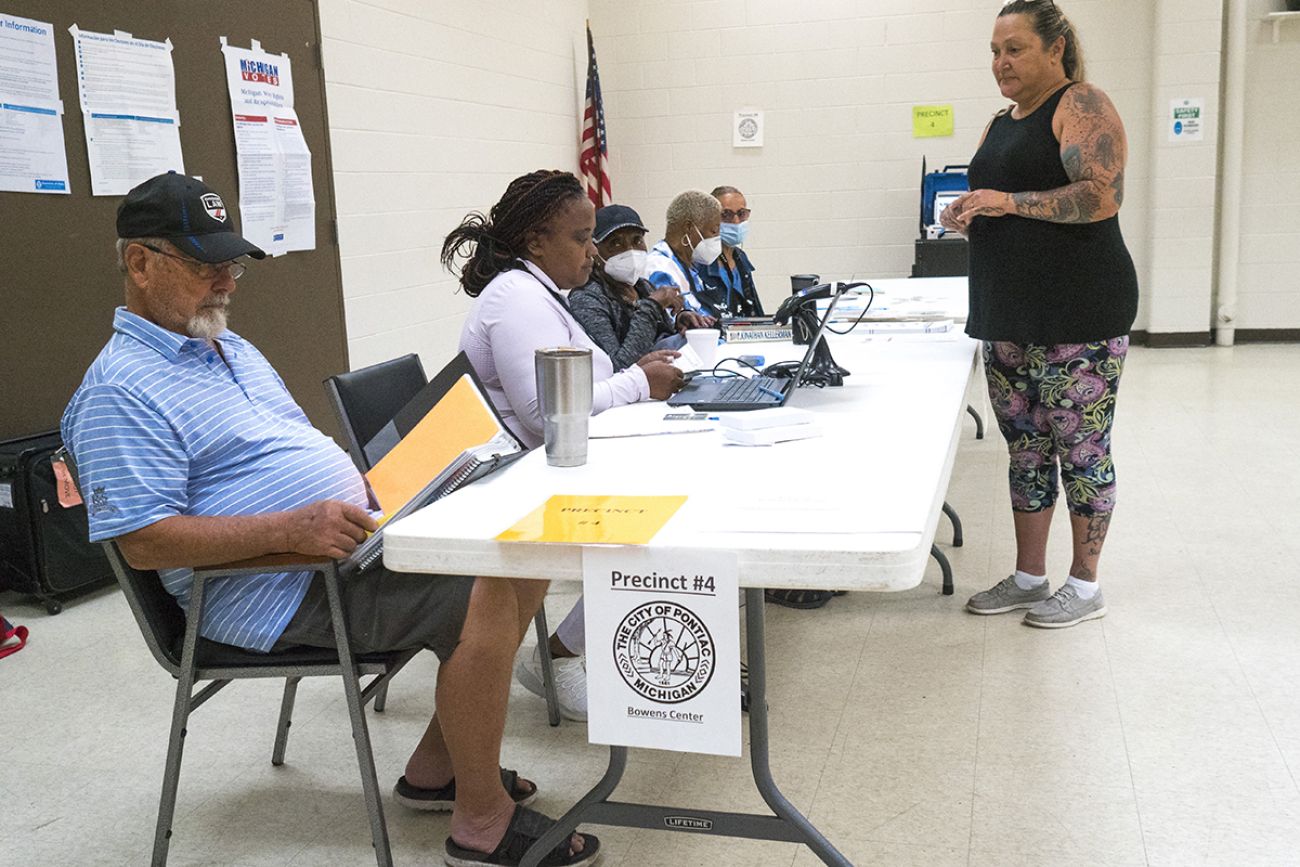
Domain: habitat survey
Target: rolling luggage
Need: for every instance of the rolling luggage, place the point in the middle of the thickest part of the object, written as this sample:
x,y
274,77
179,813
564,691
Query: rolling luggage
x,y
44,548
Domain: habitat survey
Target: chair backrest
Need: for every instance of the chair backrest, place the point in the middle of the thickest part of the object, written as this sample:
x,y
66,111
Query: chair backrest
x,y
367,399
156,611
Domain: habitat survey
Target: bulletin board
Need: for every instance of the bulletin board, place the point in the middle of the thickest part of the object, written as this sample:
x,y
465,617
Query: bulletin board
x,y
59,283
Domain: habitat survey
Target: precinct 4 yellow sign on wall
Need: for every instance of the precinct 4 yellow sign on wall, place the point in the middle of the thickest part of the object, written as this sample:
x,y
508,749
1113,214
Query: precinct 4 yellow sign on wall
x,y
929,121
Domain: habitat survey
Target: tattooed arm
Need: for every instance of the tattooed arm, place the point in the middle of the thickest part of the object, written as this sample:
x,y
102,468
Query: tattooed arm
x,y
1093,152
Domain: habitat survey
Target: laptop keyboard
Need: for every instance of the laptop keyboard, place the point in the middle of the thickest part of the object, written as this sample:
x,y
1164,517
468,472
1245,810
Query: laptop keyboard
x,y
747,390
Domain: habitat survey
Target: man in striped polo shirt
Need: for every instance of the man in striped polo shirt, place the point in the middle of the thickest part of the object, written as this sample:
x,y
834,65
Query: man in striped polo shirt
x,y
191,451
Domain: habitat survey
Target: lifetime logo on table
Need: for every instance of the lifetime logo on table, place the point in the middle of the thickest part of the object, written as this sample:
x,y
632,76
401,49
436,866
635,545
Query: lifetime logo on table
x,y
664,652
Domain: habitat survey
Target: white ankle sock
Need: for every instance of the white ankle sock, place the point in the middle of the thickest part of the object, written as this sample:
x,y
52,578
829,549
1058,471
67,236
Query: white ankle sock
x,y
1025,581
1086,589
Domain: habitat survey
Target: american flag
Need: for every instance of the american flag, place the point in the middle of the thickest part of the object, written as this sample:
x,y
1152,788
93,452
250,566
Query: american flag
x,y
595,155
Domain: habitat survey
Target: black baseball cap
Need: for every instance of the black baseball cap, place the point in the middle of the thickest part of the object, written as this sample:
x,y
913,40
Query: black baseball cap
x,y
186,212
611,218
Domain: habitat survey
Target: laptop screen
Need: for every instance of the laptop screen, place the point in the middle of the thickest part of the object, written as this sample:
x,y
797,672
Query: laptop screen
x,y
817,338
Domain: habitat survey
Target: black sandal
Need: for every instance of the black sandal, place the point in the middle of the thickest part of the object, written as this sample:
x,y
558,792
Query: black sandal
x,y
799,598
444,799
526,828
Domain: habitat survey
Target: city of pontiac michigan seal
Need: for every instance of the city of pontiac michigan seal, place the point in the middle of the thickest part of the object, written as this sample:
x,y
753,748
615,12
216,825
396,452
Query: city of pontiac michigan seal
x,y
664,652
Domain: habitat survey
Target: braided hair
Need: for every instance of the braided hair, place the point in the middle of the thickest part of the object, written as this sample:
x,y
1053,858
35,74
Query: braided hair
x,y
492,244
1049,22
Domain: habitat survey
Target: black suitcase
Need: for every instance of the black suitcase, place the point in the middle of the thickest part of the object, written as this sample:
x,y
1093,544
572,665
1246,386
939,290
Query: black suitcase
x,y
44,549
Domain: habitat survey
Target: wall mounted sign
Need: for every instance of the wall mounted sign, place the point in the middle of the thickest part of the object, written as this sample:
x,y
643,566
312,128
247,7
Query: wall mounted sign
x,y
1187,119
747,129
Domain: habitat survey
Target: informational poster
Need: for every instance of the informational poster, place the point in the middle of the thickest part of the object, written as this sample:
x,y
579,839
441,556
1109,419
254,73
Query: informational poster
x,y
1187,119
277,204
663,649
747,129
931,121
32,155
127,88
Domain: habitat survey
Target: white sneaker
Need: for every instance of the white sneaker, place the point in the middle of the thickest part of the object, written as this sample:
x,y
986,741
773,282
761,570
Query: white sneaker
x,y
570,682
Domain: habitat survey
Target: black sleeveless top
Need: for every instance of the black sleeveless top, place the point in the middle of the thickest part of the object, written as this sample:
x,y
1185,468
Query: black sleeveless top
x,y
1032,281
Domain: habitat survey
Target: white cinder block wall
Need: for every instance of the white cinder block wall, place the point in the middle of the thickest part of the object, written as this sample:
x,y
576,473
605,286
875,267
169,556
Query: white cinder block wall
x,y
835,187
1269,282
433,108
1177,288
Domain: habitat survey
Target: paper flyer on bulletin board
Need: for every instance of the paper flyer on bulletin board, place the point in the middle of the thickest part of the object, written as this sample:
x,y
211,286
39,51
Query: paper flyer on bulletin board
x,y
127,88
32,154
277,203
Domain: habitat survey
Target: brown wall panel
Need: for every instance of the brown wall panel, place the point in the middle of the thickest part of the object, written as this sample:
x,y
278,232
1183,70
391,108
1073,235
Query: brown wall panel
x,y
58,284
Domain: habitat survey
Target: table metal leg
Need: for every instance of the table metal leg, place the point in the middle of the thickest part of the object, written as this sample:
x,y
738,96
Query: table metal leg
x,y
755,629
570,820
788,824
979,422
956,524
945,567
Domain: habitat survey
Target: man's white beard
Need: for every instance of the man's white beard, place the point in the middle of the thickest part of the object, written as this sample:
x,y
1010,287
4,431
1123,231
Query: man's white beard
x,y
207,324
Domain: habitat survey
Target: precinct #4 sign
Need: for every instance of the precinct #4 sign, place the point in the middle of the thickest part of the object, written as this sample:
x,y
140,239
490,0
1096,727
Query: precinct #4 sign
x,y
663,649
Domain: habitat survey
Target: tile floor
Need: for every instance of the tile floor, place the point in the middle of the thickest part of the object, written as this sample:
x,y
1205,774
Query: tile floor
x,y
912,733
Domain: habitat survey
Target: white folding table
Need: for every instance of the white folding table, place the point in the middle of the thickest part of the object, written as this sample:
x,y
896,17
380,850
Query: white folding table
x,y
854,509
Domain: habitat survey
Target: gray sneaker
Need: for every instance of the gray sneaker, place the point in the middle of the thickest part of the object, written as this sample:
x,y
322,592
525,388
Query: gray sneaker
x,y
1005,596
1066,608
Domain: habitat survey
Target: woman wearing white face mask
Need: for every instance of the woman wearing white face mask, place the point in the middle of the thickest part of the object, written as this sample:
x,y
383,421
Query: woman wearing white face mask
x,y
692,238
732,275
623,314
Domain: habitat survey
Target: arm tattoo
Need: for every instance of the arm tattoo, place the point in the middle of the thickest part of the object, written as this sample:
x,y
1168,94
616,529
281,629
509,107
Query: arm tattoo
x,y
1076,203
1105,152
1093,160
1089,101
1072,161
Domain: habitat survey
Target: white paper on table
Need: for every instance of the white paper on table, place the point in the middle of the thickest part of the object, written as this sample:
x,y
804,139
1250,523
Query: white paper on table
x,y
688,359
127,89
663,661
33,158
277,202
614,425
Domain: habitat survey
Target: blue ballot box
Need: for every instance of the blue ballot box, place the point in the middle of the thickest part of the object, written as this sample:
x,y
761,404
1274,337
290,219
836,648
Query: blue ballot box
x,y
938,189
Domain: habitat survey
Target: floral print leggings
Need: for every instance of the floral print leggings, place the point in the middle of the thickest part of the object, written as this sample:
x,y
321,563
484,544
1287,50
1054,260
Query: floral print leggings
x,y
1055,405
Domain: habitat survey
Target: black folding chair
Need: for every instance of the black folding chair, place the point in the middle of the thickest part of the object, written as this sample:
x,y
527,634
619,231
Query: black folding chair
x,y
367,399
174,640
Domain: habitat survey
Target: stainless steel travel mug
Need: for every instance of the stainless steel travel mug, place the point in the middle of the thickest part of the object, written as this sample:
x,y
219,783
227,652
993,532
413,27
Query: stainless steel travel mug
x,y
564,398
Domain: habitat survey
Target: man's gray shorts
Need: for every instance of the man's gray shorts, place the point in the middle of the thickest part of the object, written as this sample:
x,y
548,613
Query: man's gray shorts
x,y
386,611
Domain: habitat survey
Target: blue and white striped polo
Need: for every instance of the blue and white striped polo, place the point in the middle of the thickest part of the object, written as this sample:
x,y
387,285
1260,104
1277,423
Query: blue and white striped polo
x,y
161,426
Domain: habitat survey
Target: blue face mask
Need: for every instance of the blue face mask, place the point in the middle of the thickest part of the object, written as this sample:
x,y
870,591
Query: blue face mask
x,y
734,234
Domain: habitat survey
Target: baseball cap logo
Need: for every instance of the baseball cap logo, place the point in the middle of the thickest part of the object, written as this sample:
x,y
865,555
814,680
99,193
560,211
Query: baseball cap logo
x,y
214,206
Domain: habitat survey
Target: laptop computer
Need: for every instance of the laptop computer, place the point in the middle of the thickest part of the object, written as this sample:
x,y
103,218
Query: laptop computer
x,y
735,393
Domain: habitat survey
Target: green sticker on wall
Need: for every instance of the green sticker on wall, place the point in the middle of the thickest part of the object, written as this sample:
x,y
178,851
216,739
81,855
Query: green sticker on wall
x,y
929,121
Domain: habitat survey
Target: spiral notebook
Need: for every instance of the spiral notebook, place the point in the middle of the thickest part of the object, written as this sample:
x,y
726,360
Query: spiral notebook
x,y
446,437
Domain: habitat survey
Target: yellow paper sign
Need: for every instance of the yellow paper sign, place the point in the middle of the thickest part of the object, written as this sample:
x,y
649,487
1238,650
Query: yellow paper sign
x,y
598,519
929,121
